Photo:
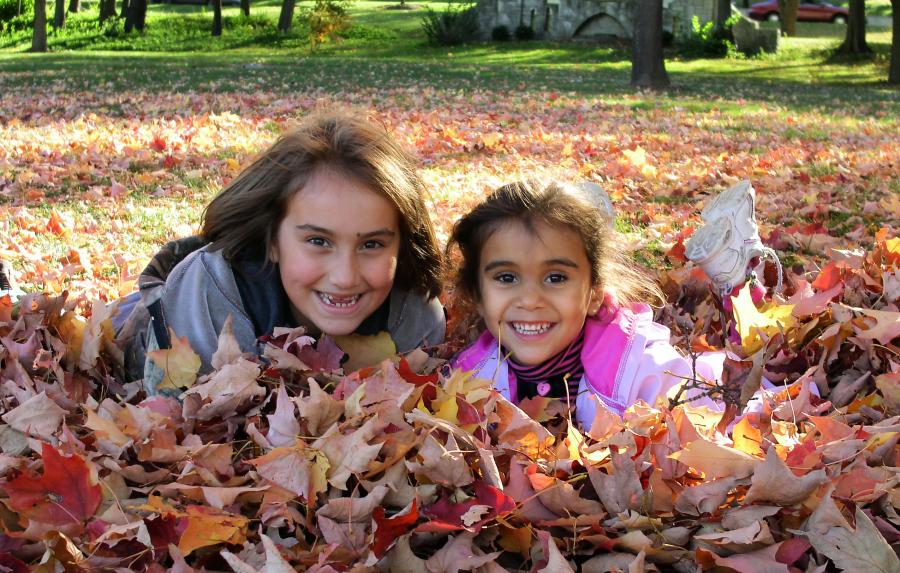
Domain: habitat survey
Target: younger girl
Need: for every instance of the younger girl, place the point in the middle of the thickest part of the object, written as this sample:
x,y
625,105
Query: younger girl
x,y
327,229
539,262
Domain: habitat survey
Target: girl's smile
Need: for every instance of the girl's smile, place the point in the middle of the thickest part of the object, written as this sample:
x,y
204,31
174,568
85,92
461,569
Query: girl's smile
x,y
535,289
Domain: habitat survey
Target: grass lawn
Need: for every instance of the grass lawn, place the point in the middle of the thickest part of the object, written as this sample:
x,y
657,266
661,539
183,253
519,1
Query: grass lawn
x,y
115,142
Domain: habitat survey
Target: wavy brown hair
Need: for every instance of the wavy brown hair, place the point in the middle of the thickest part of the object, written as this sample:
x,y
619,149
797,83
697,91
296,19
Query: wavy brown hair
x,y
535,201
243,219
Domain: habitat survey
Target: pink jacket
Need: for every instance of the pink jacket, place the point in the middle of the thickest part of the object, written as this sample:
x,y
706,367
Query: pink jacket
x,y
626,357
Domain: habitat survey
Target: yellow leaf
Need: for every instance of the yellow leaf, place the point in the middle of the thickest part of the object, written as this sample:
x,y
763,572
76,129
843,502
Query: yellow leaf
x,y
180,363
365,351
752,321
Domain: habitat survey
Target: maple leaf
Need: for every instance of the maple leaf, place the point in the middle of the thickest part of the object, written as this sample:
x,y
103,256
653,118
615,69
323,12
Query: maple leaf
x,y
459,554
207,526
716,460
283,426
401,559
298,469
67,491
443,464
389,530
547,557
620,489
759,561
325,356
772,481
39,416
365,351
228,389
348,453
886,327
752,322
859,551
275,563
319,410
180,363
707,497
228,349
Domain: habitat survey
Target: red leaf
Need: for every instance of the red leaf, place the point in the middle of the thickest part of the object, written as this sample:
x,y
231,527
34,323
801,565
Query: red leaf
x,y
65,493
388,530
792,550
158,144
10,563
429,381
828,277
325,356
448,515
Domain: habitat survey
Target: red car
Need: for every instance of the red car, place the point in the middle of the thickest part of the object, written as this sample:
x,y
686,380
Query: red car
x,y
808,12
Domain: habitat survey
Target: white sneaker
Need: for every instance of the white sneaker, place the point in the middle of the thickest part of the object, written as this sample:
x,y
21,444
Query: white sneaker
x,y
600,198
728,247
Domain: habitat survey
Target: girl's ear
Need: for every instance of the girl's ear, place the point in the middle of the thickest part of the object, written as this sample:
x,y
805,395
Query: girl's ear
x,y
273,251
596,302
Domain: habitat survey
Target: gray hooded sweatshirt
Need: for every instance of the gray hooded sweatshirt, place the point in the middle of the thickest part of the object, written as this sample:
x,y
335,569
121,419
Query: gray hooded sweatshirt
x,y
192,291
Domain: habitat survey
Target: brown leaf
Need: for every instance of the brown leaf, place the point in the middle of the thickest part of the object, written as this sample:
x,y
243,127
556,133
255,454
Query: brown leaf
x,y
283,426
773,482
861,551
348,453
715,460
459,554
621,490
228,350
705,498
442,464
39,416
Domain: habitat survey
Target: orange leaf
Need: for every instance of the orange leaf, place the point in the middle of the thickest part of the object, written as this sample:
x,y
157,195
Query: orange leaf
x,y
207,526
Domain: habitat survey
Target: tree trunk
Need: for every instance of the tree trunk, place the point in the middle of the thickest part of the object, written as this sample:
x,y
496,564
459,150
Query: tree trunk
x,y
107,10
39,36
137,16
894,71
855,40
648,67
74,6
287,15
126,6
217,17
59,15
245,7
787,13
723,13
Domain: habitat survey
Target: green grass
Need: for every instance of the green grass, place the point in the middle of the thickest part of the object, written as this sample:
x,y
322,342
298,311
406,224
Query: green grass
x,y
387,48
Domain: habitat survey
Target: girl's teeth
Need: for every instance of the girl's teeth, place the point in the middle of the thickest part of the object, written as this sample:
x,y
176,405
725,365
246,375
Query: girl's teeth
x,y
531,328
339,302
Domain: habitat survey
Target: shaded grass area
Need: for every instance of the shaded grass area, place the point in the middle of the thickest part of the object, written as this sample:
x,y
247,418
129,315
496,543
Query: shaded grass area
x,y
387,48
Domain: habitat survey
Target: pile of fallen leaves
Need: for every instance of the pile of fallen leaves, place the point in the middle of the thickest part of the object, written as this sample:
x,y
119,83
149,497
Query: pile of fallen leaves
x,y
286,463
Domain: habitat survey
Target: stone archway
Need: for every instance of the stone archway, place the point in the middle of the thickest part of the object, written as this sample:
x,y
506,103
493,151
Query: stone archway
x,y
599,26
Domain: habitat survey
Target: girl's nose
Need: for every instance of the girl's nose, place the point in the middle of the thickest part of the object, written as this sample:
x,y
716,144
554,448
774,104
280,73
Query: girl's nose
x,y
530,297
345,272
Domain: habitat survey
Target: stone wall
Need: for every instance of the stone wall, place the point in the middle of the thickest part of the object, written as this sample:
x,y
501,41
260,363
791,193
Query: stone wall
x,y
583,19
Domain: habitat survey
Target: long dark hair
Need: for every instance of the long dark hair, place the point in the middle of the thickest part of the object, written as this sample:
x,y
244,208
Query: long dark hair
x,y
243,219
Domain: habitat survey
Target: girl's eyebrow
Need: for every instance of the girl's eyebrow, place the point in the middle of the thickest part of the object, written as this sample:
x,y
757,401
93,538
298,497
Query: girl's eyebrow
x,y
495,264
563,262
316,229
